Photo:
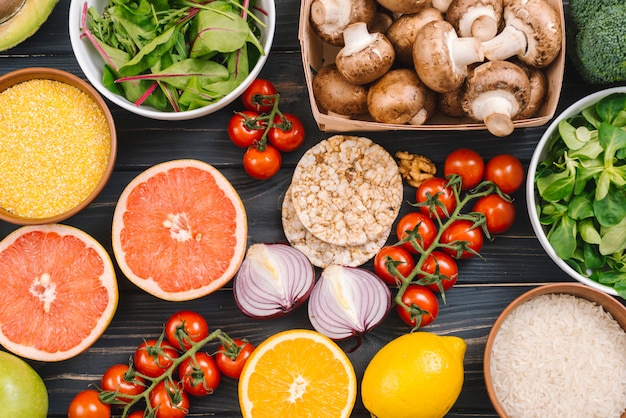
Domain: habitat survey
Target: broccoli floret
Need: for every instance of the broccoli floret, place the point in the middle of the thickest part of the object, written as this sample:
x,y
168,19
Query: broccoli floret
x,y
597,40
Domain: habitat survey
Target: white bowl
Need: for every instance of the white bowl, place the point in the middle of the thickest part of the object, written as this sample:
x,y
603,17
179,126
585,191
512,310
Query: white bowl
x,y
531,194
92,64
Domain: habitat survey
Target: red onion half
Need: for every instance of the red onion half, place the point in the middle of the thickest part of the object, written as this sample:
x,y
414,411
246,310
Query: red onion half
x,y
273,280
348,302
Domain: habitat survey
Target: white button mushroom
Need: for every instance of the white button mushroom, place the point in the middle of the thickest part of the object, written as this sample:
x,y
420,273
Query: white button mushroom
x,y
478,18
330,17
403,31
365,56
441,58
334,94
495,93
532,33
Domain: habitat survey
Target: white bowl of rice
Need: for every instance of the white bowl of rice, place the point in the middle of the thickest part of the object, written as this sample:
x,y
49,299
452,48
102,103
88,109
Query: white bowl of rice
x,y
558,350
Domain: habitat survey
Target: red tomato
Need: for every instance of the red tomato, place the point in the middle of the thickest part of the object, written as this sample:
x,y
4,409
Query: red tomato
x,y
136,414
168,400
499,213
184,328
86,404
242,129
441,264
506,171
402,259
436,189
462,230
466,163
121,379
262,164
153,359
259,96
230,360
423,303
426,230
199,375
287,136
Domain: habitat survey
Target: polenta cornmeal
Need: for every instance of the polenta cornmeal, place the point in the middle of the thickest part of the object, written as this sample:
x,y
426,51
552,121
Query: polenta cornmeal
x,y
55,145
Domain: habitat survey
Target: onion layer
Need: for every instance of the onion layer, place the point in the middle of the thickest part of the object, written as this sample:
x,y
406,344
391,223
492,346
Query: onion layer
x,y
348,302
273,279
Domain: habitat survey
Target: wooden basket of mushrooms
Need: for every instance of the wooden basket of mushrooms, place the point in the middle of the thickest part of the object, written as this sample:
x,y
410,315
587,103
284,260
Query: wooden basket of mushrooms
x,y
373,65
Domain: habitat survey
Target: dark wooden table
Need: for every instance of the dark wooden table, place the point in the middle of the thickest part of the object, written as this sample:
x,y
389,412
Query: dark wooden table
x,y
513,263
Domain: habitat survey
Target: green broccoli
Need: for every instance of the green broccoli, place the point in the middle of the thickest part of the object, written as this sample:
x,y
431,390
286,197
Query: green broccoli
x,y
597,40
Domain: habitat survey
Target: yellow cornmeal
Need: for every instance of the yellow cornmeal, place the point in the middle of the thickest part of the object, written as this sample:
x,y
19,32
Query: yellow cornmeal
x,y
54,148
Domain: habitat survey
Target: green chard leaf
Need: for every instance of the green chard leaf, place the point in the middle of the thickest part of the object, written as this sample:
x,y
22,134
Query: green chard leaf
x,y
217,31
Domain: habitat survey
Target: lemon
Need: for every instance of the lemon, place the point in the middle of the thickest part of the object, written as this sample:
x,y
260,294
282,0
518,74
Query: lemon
x,y
417,375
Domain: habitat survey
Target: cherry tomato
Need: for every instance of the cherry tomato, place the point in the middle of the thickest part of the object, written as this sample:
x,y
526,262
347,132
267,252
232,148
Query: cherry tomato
x,y
426,306
262,164
506,171
437,188
253,97
466,163
241,133
136,414
184,327
441,264
289,139
153,359
426,230
168,400
86,404
402,259
499,213
230,360
462,230
199,375
121,378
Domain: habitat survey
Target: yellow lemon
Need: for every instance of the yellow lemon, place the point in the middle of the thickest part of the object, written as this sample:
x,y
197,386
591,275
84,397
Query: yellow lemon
x,y
417,375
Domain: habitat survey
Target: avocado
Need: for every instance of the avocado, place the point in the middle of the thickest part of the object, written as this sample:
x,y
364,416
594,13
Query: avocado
x,y
20,19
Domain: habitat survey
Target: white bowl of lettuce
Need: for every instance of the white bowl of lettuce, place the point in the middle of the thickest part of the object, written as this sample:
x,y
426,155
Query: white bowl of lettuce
x,y
171,60
576,191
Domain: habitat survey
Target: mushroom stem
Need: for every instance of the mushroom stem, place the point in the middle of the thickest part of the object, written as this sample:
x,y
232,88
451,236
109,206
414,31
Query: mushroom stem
x,y
334,13
464,51
357,38
508,43
9,8
480,22
441,5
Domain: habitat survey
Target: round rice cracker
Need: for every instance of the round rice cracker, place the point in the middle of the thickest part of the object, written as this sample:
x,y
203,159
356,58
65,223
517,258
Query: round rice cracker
x,y
322,254
347,190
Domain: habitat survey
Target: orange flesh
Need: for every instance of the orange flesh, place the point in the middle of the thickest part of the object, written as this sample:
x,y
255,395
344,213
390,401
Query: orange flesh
x,y
179,243
63,296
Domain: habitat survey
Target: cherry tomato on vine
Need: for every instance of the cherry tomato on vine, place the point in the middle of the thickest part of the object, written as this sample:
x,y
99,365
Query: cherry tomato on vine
x,y
436,186
168,400
199,375
121,379
241,133
262,164
499,213
136,414
286,140
184,327
441,264
229,366
426,229
153,359
425,302
506,171
466,163
252,97
402,258
463,230
86,404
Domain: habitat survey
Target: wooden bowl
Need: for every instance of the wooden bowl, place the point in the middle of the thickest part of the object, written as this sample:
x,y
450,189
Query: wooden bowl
x,y
27,74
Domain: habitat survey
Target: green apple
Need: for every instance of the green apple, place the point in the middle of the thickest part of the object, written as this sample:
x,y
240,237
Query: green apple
x,y
23,393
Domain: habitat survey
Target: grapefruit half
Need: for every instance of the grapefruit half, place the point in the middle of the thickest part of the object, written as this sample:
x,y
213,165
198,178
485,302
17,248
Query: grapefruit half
x,y
58,291
179,230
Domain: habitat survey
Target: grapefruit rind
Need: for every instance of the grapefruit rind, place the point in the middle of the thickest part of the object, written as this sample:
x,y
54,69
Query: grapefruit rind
x,y
25,311
123,254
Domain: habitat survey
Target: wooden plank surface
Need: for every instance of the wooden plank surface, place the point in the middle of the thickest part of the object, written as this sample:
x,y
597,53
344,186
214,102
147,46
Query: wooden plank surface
x,y
513,262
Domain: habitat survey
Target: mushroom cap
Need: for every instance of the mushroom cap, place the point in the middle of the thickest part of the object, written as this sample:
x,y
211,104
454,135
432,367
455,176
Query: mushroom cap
x,y
328,18
449,103
479,18
333,93
398,97
403,31
495,93
538,91
404,6
365,56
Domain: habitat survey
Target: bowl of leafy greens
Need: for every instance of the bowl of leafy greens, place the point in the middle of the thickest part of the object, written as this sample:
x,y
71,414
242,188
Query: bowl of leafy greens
x,y
576,191
171,59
